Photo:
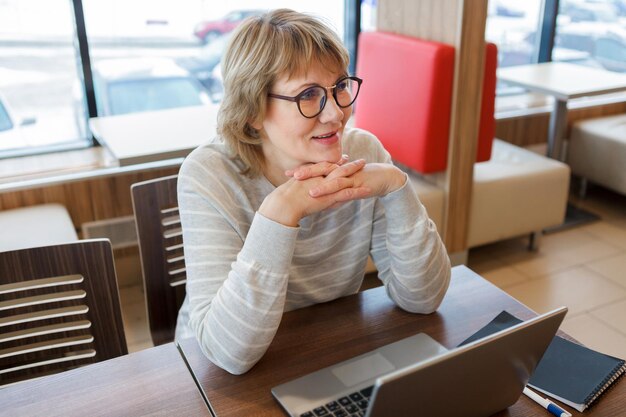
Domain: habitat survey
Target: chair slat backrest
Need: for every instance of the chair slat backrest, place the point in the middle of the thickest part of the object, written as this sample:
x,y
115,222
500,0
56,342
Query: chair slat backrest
x,y
59,309
155,206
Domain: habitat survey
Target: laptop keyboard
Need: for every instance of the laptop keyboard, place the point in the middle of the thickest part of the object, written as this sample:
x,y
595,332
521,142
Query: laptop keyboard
x,y
352,405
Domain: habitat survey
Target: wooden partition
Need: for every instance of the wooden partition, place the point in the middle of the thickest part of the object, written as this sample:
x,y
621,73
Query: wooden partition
x,y
460,23
533,129
86,200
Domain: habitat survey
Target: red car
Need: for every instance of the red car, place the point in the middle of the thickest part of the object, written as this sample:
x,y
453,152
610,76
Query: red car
x,y
209,30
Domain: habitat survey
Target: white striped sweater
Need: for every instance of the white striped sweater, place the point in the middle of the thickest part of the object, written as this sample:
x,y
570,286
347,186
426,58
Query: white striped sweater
x,y
244,270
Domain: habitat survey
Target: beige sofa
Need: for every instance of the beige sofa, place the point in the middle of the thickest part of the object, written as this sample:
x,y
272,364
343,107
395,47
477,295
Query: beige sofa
x,y
516,192
597,151
33,226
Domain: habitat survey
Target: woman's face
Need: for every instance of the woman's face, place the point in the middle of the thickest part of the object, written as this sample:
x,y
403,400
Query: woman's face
x,y
290,139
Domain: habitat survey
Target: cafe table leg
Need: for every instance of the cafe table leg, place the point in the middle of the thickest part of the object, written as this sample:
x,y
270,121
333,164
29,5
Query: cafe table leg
x,y
558,125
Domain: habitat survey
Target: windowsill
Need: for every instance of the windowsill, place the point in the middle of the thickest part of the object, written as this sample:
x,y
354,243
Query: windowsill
x,y
62,167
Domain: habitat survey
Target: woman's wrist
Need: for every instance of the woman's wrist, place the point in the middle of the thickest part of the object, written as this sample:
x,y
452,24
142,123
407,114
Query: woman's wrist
x,y
278,210
398,180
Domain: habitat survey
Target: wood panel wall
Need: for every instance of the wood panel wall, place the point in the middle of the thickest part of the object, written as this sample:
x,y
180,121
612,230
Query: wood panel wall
x,y
533,129
460,23
426,19
86,200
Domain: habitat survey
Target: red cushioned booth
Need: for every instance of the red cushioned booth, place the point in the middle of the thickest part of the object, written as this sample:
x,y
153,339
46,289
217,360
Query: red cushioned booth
x,y
413,121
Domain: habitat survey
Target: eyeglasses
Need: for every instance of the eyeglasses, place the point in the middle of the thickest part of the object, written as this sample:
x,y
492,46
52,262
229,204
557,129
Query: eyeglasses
x,y
312,101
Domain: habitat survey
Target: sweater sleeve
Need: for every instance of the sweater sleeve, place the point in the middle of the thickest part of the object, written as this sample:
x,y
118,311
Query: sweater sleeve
x,y
236,284
411,259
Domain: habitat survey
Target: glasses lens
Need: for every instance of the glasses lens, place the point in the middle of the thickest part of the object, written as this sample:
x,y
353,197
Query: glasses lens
x,y
346,91
311,101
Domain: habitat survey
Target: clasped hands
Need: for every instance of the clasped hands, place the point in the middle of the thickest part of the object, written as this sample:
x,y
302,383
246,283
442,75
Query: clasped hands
x,y
315,187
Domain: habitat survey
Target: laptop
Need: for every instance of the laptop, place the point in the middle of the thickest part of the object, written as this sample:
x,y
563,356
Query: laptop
x,y
416,376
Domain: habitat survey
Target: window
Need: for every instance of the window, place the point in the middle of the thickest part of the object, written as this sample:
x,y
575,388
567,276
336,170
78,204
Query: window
x,y
592,33
514,27
368,15
149,55
39,76
144,55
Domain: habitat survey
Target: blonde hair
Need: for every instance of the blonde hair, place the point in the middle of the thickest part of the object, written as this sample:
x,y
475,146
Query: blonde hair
x,y
262,49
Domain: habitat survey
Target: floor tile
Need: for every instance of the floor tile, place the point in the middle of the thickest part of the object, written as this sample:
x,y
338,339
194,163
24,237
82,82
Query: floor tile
x,y
536,264
565,240
134,315
588,252
504,277
483,266
140,345
578,288
497,250
613,268
608,232
594,334
613,315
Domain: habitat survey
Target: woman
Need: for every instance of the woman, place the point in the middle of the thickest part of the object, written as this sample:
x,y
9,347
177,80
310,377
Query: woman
x,y
284,208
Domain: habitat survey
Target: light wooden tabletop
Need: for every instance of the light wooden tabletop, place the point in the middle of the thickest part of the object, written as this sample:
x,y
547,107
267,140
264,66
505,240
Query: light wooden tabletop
x,y
157,135
324,334
563,80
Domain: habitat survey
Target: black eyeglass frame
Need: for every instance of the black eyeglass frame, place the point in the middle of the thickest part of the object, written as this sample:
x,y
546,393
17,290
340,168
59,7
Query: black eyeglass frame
x,y
333,88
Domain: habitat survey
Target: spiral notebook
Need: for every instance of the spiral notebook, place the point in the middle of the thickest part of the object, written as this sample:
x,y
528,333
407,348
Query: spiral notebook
x,y
568,372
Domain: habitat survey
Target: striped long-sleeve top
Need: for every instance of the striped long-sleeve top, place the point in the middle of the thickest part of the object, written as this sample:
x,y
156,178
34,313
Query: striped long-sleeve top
x,y
244,270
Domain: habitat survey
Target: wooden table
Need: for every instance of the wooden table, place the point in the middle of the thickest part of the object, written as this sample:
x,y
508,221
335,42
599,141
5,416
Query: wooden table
x,y
155,381
563,81
157,135
322,335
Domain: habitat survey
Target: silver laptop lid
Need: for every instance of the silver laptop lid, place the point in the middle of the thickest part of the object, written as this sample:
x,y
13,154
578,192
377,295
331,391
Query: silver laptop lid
x,y
474,380
417,376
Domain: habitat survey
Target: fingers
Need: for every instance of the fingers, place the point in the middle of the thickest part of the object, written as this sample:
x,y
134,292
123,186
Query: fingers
x,y
347,169
320,169
335,185
348,194
343,160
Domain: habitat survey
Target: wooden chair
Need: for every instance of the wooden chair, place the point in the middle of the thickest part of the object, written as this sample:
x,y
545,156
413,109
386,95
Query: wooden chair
x,y
59,309
155,206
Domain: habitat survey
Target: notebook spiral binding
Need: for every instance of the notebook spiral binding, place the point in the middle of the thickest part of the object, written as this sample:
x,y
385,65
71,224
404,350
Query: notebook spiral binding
x,y
619,370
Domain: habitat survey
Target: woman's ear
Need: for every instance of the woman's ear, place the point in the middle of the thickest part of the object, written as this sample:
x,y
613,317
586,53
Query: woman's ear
x,y
256,124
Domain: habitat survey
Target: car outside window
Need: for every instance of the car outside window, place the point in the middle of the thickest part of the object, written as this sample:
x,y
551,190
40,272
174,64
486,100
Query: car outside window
x,y
5,120
158,94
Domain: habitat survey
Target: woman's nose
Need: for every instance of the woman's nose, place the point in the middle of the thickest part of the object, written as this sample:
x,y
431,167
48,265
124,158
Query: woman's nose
x,y
331,111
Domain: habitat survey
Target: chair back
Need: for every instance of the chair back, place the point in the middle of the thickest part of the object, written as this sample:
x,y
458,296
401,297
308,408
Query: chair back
x,y
406,98
159,231
59,309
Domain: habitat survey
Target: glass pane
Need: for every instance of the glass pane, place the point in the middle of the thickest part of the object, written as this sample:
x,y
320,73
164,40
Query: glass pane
x,y
513,26
368,15
592,33
158,54
39,76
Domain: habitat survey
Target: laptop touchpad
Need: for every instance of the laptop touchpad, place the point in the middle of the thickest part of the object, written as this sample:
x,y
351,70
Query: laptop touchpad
x,y
363,369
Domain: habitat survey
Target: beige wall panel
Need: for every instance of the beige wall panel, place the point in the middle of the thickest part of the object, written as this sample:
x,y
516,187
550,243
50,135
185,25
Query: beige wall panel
x,y
426,19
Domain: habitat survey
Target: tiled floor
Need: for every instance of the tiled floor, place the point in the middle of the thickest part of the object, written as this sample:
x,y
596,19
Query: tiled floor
x,y
583,267
134,315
